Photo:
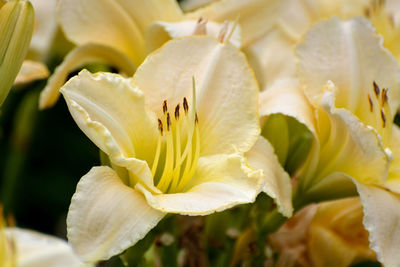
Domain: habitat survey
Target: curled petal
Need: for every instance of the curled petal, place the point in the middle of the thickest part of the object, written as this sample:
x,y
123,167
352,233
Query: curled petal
x,y
106,217
277,181
102,106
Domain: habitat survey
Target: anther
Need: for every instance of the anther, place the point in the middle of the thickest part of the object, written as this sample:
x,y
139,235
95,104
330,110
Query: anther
x,y
384,96
168,121
177,112
383,118
200,28
165,107
371,104
196,119
376,89
185,105
160,126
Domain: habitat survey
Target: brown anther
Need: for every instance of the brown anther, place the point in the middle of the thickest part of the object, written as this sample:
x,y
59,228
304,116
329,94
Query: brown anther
x,y
376,89
196,119
177,112
185,105
383,118
371,104
164,107
160,126
384,97
168,121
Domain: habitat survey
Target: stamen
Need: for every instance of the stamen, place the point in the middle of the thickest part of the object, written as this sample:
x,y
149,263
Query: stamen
x,y
376,89
177,112
168,122
178,167
384,97
157,155
160,126
166,176
371,104
383,118
185,105
165,107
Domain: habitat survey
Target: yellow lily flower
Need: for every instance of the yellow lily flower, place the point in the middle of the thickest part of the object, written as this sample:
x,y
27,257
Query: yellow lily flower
x,y
351,93
173,149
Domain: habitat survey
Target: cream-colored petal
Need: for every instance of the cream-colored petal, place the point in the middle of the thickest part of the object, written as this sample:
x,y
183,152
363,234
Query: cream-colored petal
x,y
143,13
35,249
102,22
381,219
393,180
351,55
220,182
106,217
160,32
277,181
285,97
81,55
31,71
256,17
227,93
45,27
272,58
112,114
